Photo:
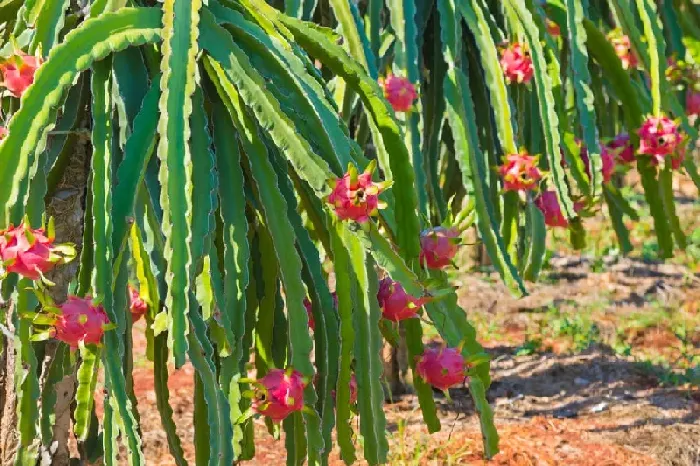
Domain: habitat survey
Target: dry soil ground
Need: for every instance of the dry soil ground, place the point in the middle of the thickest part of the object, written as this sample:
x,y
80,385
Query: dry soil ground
x,y
594,368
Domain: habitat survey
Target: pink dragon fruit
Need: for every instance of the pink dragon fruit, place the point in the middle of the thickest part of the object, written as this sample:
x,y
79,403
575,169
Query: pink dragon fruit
x,y
692,103
18,72
26,251
658,137
520,172
622,147
438,246
3,132
400,92
623,49
608,159
138,306
442,367
281,393
80,321
548,204
517,64
355,196
353,390
307,305
396,304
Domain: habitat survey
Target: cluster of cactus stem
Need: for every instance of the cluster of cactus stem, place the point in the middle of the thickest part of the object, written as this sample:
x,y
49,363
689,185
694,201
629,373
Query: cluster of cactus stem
x,y
244,155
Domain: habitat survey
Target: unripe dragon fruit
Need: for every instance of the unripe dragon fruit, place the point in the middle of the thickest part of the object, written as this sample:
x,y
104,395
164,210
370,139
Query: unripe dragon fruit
x,y
355,196
548,204
520,172
137,305
442,367
309,312
80,321
622,147
438,246
553,28
18,72
281,392
623,49
692,102
396,304
517,63
400,92
26,251
659,137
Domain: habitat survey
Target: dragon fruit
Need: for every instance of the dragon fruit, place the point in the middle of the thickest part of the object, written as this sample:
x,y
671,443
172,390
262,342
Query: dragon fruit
x,y
27,252
438,246
553,28
400,92
623,49
307,305
80,321
548,204
442,367
659,137
18,72
281,392
608,159
520,172
692,102
353,390
138,306
355,196
396,304
622,147
3,132
517,64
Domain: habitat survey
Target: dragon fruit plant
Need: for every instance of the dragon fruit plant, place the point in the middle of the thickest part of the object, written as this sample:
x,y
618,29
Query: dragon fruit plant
x,y
220,136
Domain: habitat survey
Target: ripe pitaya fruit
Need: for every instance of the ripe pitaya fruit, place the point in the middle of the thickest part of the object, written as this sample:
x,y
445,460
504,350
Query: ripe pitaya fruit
x,y
18,72
438,246
281,392
442,367
309,312
26,251
692,103
80,321
400,92
520,172
355,196
622,147
517,63
3,132
659,137
548,204
353,390
623,49
608,159
138,306
396,304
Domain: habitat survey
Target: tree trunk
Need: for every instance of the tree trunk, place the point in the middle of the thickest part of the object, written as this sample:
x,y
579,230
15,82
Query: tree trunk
x,y
66,206
8,421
